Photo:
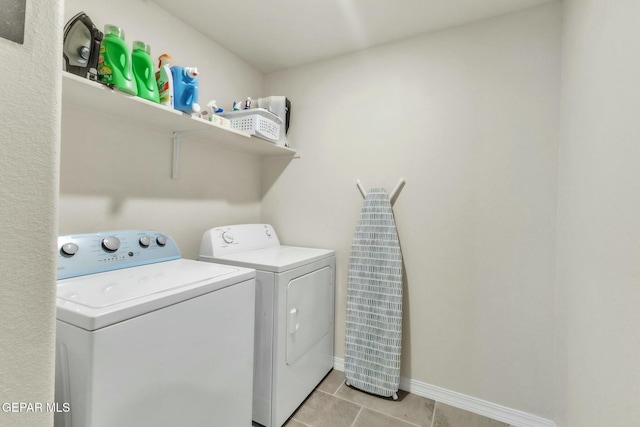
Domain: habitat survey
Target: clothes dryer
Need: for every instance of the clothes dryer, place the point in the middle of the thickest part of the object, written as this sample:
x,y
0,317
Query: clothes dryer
x,y
294,330
145,338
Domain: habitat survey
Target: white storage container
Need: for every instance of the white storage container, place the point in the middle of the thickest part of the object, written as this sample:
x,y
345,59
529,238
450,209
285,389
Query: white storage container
x,y
258,122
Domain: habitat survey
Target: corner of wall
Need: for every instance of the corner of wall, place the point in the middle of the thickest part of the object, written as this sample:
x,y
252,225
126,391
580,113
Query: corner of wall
x,y
29,156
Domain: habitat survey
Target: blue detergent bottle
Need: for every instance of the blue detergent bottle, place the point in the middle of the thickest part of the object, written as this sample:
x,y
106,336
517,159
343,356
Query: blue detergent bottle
x,y
185,88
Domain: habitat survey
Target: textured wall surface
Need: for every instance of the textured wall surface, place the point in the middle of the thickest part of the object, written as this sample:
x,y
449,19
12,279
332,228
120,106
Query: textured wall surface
x,y
469,117
29,151
598,211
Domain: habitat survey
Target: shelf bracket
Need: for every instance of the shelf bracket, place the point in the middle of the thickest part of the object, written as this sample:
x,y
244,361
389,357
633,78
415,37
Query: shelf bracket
x,y
176,155
177,136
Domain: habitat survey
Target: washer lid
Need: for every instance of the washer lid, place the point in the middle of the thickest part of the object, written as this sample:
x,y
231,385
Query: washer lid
x,y
276,259
97,300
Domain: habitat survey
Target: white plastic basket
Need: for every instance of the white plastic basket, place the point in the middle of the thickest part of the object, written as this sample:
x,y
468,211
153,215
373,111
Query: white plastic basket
x,y
258,121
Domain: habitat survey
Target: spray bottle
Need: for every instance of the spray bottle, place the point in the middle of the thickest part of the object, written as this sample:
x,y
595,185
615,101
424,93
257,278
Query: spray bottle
x,y
164,78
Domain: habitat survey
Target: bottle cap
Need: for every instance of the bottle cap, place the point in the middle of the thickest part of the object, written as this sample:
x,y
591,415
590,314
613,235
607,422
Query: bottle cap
x,y
115,30
191,72
138,45
164,59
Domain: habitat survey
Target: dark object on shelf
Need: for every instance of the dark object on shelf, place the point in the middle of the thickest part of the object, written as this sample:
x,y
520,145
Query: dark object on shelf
x,y
81,47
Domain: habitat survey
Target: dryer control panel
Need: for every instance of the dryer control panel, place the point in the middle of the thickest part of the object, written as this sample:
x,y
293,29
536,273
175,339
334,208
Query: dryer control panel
x,y
89,253
231,239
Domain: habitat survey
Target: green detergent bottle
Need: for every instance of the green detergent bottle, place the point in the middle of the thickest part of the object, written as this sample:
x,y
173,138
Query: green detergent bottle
x,y
143,72
114,63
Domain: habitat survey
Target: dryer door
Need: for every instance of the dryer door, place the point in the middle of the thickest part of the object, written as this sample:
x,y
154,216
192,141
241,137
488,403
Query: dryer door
x,y
303,350
309,311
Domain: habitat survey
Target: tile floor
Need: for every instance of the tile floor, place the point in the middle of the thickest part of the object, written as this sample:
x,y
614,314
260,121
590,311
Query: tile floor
x,y
334,404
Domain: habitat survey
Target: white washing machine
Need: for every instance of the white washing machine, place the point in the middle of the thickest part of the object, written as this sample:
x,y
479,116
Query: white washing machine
x,y
294,327
146,338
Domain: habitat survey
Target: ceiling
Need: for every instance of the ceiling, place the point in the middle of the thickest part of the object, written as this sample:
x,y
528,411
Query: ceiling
x,y
275,34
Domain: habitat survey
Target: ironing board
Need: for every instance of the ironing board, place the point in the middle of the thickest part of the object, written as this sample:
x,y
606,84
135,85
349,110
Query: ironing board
x,y
374,300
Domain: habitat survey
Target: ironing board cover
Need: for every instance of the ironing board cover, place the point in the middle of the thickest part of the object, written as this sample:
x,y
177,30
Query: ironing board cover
x,y
374,300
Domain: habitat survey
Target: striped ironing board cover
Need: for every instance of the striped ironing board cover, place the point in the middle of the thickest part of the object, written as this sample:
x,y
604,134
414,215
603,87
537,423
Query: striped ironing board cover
x,y
374,300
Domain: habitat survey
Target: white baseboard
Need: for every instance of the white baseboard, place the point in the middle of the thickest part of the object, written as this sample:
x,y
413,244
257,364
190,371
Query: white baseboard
x,y
514,417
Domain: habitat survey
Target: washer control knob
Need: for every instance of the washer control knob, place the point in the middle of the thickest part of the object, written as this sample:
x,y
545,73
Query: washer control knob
x,y
268,232
110,243
161,240
69,249
227,237
145,241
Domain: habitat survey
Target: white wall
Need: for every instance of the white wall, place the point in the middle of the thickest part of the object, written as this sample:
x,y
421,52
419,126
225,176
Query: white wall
x,y
116,175
469,117
29,144
599,231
